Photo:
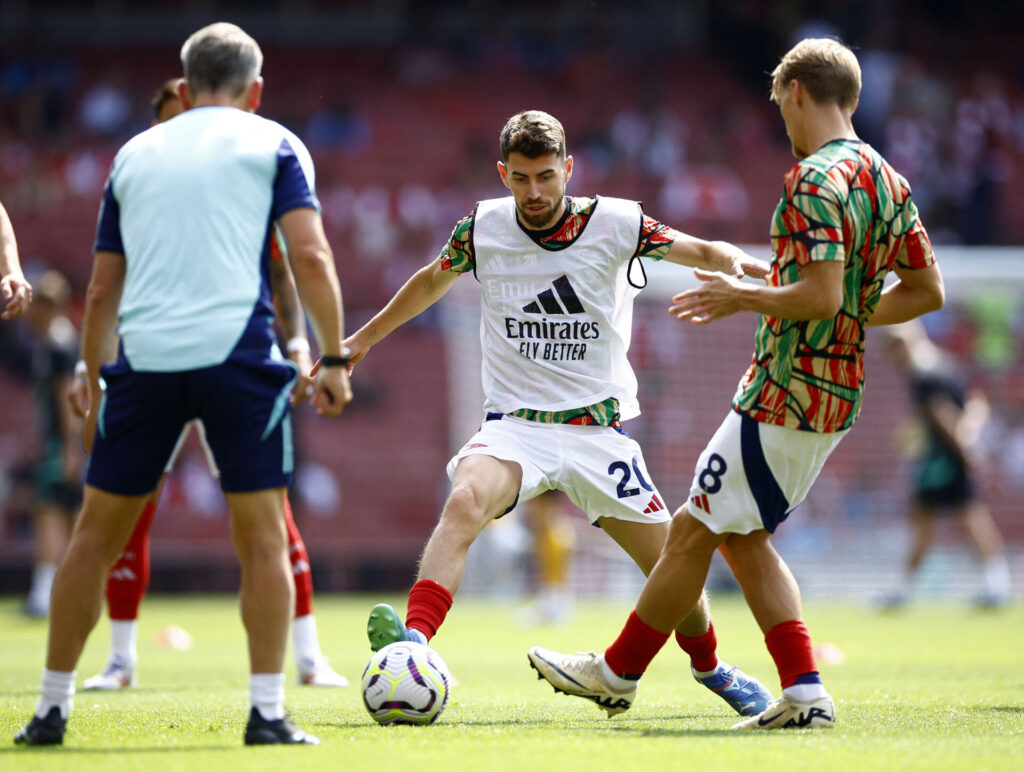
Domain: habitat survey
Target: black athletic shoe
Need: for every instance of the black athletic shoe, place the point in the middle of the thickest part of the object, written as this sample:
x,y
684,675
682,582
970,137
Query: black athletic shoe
x,y
259,731
43,731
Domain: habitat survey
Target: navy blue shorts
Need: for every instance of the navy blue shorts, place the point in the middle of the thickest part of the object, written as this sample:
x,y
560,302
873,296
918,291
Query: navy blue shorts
x,y
243,404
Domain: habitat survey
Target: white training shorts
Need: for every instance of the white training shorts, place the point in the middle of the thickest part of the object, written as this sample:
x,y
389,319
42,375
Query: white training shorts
x,y
600,468
752,474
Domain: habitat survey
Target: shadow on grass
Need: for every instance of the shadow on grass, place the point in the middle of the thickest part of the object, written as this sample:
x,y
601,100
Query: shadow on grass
x,y
13,750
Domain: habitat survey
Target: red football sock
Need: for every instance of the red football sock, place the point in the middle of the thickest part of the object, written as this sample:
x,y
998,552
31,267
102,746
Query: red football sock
x,y
129,577
789,643
300,565
701,649
429,603
634,649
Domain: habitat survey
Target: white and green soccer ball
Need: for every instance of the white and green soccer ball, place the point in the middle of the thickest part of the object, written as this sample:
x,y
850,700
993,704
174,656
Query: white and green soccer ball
x,y
406,683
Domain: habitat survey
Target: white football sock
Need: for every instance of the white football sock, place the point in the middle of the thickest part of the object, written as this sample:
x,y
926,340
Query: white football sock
x,y
266,693
123,633
58,687
995,574
804,693
305,643
42,584
613,679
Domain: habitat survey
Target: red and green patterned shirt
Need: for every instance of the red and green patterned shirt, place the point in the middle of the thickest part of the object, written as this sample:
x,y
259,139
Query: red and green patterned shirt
x,y
654,241
844,202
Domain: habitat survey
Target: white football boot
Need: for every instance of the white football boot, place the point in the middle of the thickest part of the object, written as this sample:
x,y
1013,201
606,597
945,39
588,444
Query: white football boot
x,y
784,713
318,672
580,675
118,674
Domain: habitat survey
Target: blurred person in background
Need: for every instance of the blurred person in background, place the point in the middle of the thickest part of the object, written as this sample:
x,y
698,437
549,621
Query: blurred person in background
x,y
557,302
554,541
58,471
129,576
14,288
194,317
945,476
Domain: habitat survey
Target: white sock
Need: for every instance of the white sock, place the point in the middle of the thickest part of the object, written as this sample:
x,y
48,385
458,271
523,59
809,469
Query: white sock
x,y
707,673
614,679
122,640
416,636
266,693
804,693
305,642
995,574
58,687
42,584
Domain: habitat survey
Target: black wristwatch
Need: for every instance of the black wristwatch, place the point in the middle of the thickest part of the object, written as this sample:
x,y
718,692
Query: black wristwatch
x,y
339,361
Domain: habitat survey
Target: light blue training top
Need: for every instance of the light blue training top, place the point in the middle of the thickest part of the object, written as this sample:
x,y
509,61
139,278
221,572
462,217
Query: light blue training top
x,y
190,203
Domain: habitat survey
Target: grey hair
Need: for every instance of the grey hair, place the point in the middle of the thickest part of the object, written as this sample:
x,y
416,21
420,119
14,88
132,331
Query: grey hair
x,y
221,57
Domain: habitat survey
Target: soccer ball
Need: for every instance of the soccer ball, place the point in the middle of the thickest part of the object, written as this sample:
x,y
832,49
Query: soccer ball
x,y
406,683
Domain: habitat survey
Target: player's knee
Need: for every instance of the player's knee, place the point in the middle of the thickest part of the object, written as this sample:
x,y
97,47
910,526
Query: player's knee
x,y
466,508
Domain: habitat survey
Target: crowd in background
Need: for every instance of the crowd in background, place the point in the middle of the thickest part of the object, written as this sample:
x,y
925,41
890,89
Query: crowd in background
x,y
404,135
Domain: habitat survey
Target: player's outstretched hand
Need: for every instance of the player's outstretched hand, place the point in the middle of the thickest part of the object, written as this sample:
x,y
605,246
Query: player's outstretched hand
x,y
717,296
331,391
17,294
733,260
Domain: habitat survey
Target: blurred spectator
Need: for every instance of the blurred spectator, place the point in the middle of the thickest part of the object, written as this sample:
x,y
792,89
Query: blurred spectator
x,y
945,478
58,470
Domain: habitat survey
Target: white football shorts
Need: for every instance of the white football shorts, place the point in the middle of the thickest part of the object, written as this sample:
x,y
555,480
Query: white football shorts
x,y
600,468
752,474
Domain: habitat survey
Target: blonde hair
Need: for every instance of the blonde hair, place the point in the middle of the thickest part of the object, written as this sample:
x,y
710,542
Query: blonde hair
x,y
825,67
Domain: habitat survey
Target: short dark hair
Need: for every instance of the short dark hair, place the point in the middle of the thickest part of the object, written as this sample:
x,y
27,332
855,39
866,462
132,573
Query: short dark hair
x,y
221,57
825,67
533,133
168,90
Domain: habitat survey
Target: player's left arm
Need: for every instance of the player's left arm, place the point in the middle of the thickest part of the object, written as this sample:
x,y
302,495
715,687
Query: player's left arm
x,y
720,256
817,295
98,325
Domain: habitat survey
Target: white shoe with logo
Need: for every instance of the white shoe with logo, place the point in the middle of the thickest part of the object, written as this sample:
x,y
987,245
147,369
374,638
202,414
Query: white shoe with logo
x,y
118,674
320,673
580,675
784,713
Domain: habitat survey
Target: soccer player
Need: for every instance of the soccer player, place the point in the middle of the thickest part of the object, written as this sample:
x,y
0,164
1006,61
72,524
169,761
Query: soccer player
x,y
556,325
845,220
953,418
14,288
58,471
129,576
191,294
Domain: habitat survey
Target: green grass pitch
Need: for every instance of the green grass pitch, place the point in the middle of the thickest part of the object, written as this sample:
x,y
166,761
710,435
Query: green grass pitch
x,y
933,688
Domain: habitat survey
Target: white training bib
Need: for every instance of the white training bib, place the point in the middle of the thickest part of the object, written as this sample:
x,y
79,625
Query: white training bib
x,y
556,325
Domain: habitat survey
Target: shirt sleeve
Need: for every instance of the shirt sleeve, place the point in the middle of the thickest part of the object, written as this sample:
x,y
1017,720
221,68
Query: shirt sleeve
x,y
294,186
655,240
916,250
457,255
108,227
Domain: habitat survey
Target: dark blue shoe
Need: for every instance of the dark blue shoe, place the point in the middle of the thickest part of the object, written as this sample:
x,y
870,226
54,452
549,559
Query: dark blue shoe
x,y
43,731
259,731
746,695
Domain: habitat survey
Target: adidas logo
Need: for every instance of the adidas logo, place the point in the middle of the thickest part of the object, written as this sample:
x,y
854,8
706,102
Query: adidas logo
x,y
654,506
701,502
547,303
